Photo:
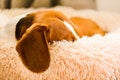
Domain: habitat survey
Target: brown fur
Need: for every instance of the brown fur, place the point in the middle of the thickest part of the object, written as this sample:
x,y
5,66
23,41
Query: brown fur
x,y
86,27
43,27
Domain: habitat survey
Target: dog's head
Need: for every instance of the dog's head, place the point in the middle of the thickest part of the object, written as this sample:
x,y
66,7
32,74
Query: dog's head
x,y
34,31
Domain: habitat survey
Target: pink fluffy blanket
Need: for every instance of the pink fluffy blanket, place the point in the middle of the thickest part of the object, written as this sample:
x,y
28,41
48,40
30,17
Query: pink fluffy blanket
x,y
89,58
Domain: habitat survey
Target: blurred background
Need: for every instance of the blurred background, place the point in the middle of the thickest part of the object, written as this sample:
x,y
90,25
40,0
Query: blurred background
x,y
102,5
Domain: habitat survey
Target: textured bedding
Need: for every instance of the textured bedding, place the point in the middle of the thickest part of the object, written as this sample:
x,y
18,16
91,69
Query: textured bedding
x,y
89,58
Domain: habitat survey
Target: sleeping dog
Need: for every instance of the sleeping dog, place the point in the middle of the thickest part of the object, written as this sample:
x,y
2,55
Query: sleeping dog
x,y
37,29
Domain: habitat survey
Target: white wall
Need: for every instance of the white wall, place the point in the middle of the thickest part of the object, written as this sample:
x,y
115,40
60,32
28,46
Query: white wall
x,y
102,5
108,5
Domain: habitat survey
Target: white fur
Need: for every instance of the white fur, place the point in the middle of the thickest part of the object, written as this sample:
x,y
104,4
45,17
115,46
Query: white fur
x,y
7,27
4,19
11,25
70,27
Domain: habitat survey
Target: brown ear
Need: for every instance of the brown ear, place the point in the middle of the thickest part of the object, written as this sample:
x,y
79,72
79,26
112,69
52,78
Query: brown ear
x,y
33,49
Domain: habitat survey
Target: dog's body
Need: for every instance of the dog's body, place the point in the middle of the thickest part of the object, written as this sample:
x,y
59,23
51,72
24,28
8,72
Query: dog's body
x,y
34,31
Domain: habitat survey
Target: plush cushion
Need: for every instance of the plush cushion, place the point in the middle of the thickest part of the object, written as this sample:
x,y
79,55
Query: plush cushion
x,y
89,58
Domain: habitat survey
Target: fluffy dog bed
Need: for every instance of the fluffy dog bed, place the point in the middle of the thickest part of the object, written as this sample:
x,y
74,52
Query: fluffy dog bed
x,y
89,58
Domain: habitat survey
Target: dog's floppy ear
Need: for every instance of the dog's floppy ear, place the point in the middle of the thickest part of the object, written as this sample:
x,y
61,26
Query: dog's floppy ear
x,y
33,48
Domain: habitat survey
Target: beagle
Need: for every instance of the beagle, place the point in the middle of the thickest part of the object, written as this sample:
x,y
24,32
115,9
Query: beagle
x,y
37,29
